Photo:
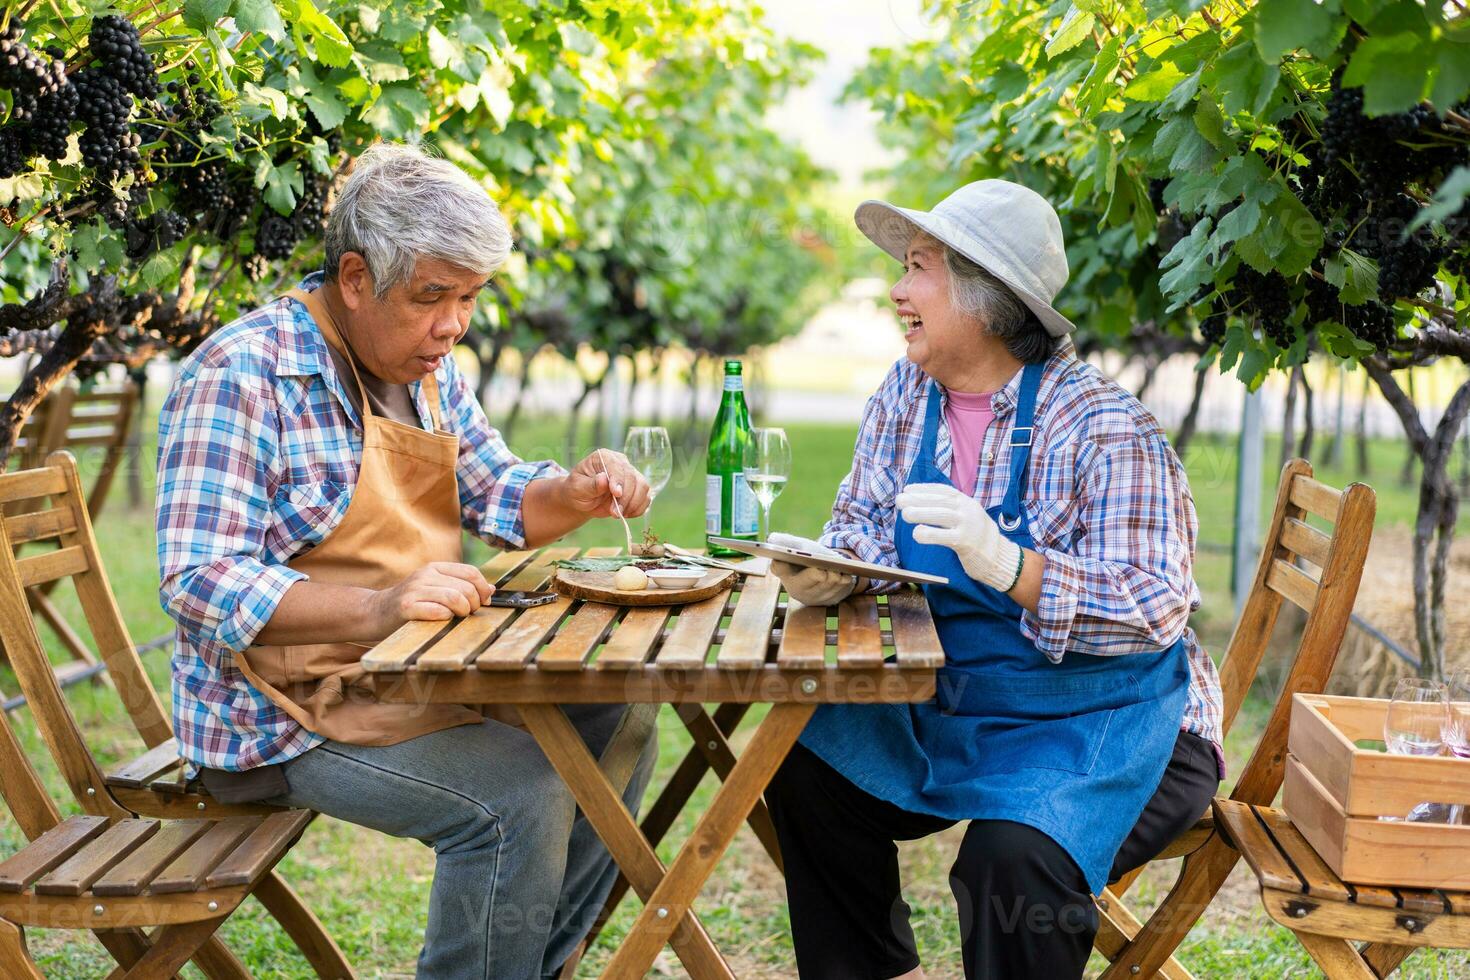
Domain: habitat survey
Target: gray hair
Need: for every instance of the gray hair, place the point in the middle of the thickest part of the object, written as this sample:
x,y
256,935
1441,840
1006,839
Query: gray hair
x,y
977,294
400,205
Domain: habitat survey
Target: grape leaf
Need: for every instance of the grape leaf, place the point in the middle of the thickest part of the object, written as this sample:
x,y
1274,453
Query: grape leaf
x,y
1282,26
203,14
1354,275
259,15
1074,27
1391,71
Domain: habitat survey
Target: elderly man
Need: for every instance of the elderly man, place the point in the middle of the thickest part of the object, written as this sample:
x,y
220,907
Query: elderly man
x,y
318,458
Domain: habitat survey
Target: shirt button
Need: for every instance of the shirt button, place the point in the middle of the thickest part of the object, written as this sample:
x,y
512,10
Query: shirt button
x,y
989,456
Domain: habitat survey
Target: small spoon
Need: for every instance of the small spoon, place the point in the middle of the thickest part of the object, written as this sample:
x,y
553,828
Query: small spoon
x,y
617,507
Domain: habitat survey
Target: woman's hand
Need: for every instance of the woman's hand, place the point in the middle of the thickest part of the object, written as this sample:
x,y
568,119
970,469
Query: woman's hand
x,y
942,515
602,477
810,586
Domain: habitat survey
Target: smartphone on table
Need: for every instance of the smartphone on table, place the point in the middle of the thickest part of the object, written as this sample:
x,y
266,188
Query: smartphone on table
x,y
516,599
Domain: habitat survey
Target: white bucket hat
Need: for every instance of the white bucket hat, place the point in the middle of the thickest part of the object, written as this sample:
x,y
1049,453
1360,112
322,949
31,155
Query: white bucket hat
x,y
1008,230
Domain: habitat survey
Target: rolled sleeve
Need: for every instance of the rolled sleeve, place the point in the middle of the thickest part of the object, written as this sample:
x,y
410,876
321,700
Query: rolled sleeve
x,y
492,479
1125,585
218,459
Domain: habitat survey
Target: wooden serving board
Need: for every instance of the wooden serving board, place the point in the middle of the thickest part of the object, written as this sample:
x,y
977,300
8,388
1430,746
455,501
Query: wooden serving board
x,y
598,587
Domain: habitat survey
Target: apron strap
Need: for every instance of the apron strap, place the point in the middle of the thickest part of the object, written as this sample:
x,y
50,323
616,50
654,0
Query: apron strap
x,y
929,442
1010,508
431,395
316,305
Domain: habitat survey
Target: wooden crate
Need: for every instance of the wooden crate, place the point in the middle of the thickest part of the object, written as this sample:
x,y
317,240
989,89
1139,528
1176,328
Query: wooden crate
x,y
1335,792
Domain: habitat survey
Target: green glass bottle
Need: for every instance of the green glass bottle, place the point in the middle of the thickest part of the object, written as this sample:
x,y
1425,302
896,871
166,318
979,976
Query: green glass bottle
x,y
729,503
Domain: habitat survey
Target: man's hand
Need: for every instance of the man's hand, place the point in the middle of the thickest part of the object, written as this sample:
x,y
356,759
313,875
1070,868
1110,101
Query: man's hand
x,y
592,491
438,591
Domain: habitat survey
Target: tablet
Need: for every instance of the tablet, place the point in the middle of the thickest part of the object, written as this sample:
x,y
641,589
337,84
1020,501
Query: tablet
x,y
777,552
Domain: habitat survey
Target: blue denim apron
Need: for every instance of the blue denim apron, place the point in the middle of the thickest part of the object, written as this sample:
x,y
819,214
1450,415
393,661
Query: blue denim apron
x,y
1074,749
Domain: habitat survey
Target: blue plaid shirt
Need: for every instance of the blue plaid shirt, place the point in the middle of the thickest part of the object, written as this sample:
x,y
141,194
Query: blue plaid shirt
x,y
258,456
1106,500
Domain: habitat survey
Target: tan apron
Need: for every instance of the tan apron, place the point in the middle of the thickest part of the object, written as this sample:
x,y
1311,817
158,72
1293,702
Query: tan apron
x,y
404,514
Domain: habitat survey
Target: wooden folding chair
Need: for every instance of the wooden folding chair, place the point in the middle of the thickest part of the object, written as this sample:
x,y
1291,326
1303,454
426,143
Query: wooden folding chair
x,y
153,784
116,875
1319,573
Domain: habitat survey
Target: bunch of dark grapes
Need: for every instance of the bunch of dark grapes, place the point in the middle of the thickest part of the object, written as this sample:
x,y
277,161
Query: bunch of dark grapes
x,y
115,43
310,214
1156,187
1268,298
1212,327
275,238
1324,302
256,266
1408,268
154,233
29,76
1371,322
105,107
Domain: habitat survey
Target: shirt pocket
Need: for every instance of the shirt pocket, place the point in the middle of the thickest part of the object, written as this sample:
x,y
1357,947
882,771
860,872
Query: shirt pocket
x,y
302,514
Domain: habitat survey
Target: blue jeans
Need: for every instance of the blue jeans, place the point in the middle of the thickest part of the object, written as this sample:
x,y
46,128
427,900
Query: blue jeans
x,y
519,873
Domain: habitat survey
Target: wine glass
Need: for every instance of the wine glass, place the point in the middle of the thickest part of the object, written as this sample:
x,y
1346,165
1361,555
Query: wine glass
x,y
647,448
767,464
1415,724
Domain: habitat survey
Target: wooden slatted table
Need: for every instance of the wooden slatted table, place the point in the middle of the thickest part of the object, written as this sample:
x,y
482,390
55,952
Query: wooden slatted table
x,y
1327,914
737,649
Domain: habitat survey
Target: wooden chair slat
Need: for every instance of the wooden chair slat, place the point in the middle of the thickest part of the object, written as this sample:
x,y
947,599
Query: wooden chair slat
x,y
134,873
139,772
76,874
170,782
1457,902
1321,881
25,484
914,637
1303,539
1383,898
1314,497
633,642
803,637
505,564
91,435
187,872
749,636
1293,583
39,525
1256,846
1418,900
577,638
255,855
60,563
103,393
688,643
859,641
404,646
48,851
535,575
461,645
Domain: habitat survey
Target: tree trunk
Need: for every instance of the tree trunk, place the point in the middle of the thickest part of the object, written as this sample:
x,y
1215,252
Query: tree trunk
x,y
133,455
1288,417
522,380
1364,460
489,365
1309,427
1334,453
574,422
1406,475
1191,418
1150,371
691,421
1439,502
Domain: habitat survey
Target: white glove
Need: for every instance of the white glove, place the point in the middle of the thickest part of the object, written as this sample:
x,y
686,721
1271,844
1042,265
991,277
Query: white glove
x,y
810,586
944,516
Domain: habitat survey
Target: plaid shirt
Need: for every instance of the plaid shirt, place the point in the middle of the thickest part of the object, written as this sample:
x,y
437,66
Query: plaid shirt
x,y
258,456
1107,502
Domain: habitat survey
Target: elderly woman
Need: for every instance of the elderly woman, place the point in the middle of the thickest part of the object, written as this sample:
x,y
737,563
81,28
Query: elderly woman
x,y
1077,720
319,459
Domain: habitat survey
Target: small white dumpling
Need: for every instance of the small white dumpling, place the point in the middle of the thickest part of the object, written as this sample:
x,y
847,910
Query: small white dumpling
x,y
630,578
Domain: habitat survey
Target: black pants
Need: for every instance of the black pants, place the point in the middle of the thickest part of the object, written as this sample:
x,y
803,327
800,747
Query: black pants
x,y
1024,906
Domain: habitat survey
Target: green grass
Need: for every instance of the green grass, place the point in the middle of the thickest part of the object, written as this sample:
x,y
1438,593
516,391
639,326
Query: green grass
x,y
371,891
